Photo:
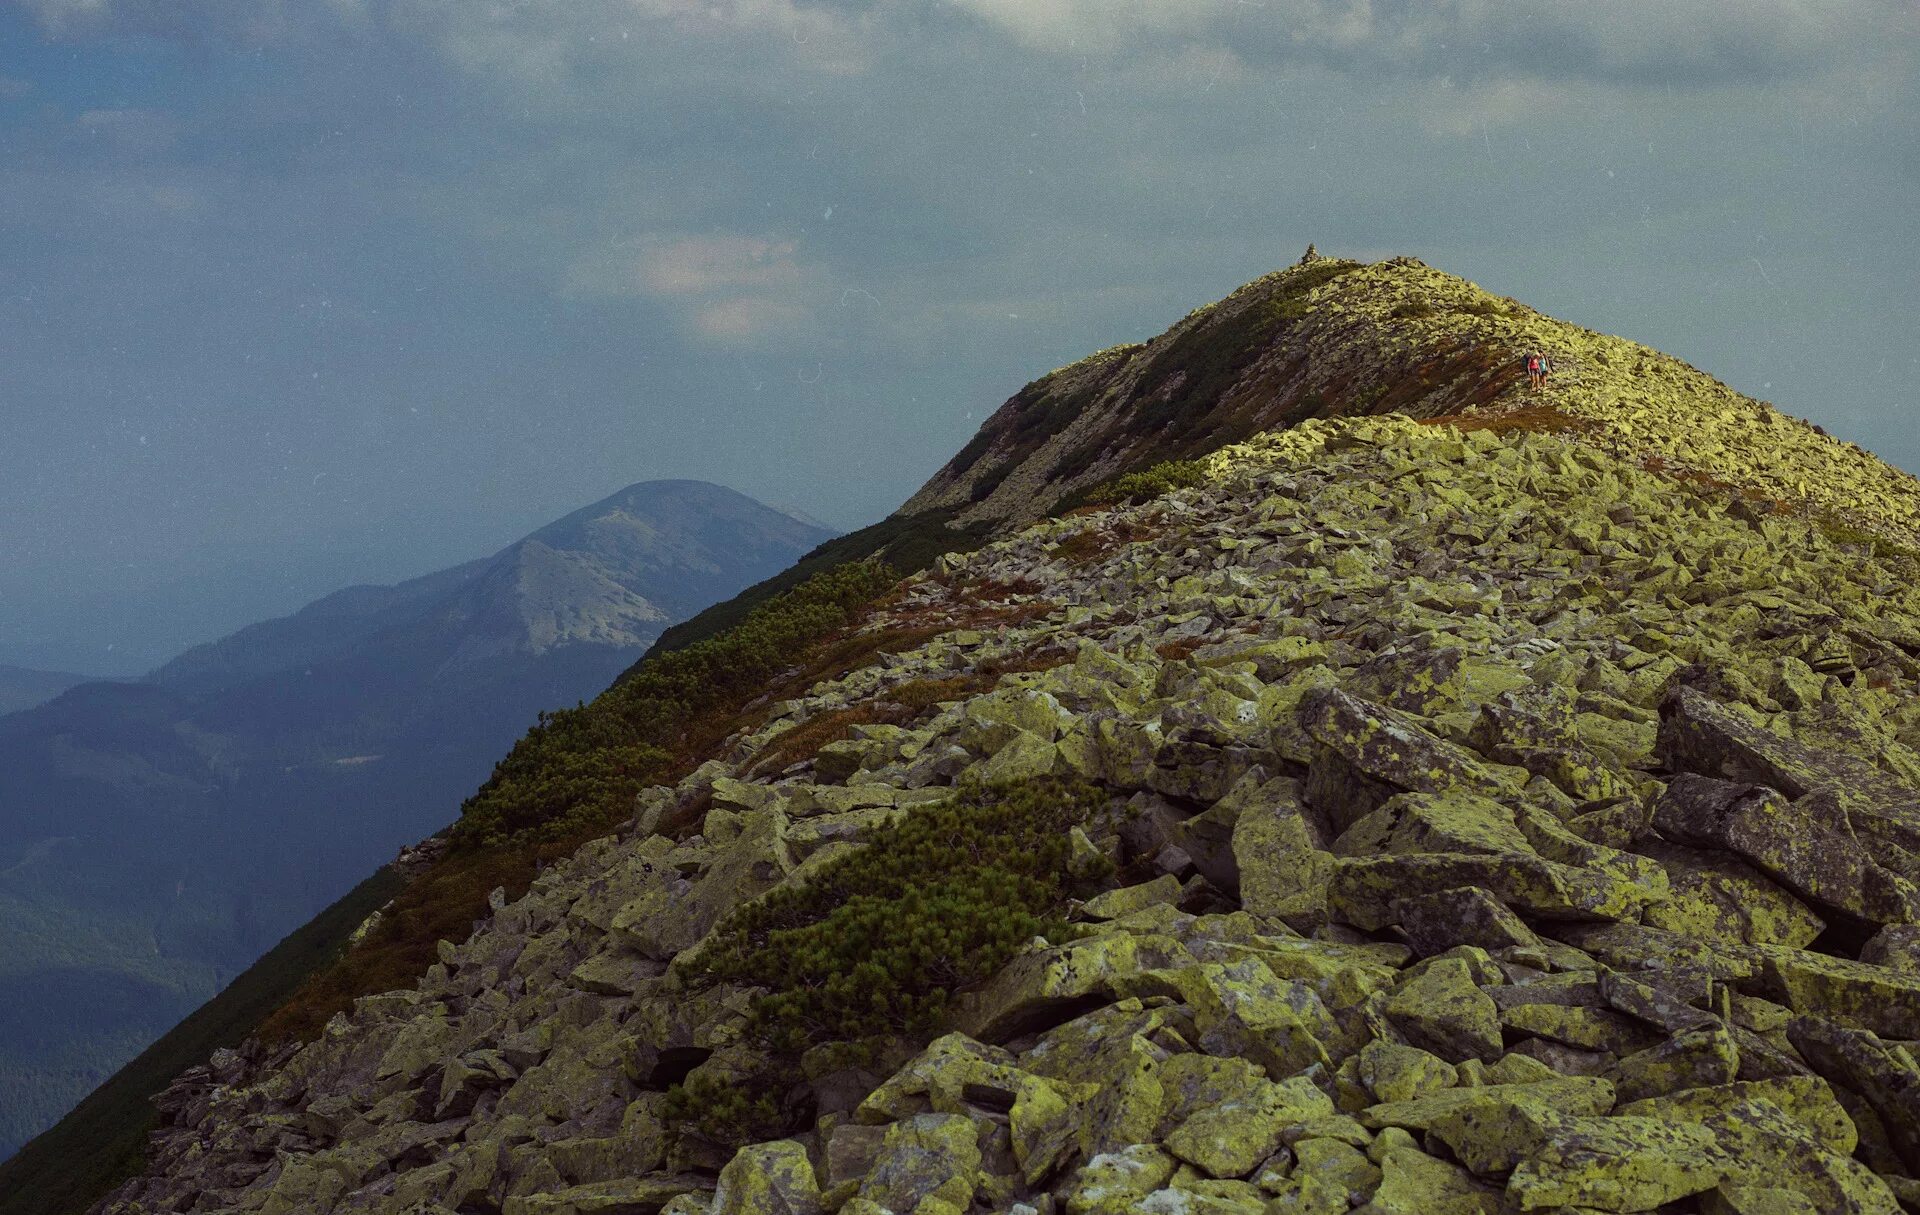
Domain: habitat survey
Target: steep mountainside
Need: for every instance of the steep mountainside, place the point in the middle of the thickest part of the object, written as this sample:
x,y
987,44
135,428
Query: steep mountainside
x,y
23,687
1454,820
155,838
1519,812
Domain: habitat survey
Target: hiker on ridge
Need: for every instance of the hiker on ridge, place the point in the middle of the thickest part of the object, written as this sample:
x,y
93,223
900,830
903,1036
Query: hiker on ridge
x,y
1535,378
1546,368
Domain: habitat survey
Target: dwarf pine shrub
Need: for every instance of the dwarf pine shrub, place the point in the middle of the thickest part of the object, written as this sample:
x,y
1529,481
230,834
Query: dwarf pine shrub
x,y
720,1111
878,942
1161,478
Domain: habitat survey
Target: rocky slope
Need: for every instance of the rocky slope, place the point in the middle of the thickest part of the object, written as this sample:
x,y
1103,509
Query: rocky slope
x,y
1465,820
157,837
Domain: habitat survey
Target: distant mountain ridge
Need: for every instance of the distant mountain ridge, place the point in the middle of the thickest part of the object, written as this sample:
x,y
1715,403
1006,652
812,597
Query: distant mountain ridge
x,y
25,687
157,835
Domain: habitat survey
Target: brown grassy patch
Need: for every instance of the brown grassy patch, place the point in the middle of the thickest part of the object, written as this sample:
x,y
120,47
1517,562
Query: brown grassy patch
x,y
1037,658
919,695
1091,544
1174,651
989,589
804,741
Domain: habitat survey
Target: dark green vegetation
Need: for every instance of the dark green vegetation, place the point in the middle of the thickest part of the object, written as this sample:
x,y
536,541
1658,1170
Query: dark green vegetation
x,y
103,1140
722,1110
876,945
1161,478
579,769
879,940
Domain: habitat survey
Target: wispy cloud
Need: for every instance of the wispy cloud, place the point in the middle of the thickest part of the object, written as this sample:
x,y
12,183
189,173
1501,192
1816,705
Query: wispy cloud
x,y
701,264
1669,41
131,132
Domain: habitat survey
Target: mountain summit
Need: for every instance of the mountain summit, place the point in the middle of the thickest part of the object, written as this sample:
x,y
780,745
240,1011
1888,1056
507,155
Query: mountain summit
x,y
1399,788
612,574
1330,338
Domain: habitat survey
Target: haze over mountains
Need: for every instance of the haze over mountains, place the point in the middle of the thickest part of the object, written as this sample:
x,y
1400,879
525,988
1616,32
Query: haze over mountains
x,y
156,836
24,687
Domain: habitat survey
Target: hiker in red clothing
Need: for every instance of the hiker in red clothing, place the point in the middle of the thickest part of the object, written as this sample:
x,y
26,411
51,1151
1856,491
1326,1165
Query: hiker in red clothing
x,y
1535,375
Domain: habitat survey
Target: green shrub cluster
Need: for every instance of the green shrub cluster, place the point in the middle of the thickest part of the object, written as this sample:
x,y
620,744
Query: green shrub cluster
x,y
580,768
1148,483
1412,308
878,942
720,1111
1482,308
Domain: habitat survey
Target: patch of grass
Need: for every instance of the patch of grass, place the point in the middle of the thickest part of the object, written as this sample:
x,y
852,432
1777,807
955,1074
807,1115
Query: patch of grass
x,y
919,695
880,941
1482,308
1162,478
1410,309
1139,486
1091,544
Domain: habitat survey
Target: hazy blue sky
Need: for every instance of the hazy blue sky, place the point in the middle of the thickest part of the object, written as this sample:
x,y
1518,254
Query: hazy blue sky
x,y
295,293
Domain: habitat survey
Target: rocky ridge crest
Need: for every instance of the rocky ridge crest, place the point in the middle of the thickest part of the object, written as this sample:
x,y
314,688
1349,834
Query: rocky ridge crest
x,y
1330,338
1494,825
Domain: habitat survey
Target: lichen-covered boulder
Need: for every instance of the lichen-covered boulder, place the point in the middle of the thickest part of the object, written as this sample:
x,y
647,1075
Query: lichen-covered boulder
x,y
768,1179
1113,1183
1414,1183
1244,1009
1041,980
1692,1058
1393,1072
624,1196
1443,1011
1281,865
1328,1177
1716,896
1618,1164
1820,861
933,1156
1463,915
1230,1138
